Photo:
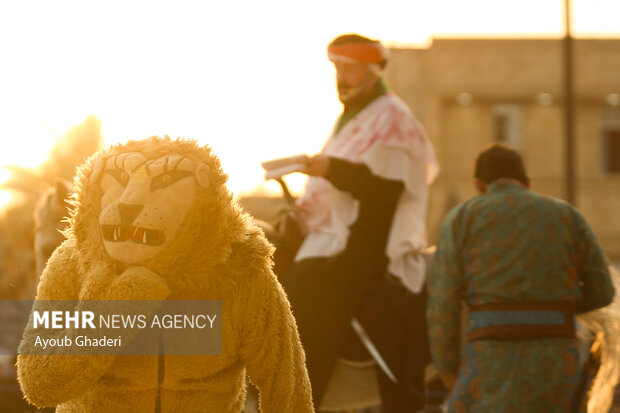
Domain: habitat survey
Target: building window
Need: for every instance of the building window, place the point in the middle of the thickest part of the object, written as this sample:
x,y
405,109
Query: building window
x,y
508,124
611,140
611,151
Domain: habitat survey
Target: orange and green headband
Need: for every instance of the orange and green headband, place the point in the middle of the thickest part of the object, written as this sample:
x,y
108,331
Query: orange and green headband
x,y
365,52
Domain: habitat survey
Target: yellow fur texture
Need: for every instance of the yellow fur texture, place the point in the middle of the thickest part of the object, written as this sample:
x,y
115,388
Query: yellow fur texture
x,y
217,254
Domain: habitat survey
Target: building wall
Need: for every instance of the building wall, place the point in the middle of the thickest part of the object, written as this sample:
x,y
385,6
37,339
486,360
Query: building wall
x,y
514,72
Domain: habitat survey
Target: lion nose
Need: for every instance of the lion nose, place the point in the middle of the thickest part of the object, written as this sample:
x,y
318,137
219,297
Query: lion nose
x,y
129,212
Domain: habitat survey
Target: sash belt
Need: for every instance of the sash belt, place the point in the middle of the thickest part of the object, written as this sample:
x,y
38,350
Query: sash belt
x,y
521,320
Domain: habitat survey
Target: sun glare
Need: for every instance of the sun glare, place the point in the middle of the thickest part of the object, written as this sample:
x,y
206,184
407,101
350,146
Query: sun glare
x,y
5,174
254,85
30,142
6,197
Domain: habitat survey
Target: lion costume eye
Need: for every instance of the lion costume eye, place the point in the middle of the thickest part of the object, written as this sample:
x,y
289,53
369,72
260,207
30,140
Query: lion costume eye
x,y
167,179
121,176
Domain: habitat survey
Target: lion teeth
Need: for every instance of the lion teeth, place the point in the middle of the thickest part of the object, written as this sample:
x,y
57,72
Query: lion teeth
x,y
120,233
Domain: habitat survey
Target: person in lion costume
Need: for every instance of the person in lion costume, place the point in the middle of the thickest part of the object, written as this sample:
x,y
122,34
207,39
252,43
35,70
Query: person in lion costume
x,y
153,220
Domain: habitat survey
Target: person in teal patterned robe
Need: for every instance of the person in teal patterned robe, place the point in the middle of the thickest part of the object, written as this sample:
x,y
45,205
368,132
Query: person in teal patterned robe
x,y
502,250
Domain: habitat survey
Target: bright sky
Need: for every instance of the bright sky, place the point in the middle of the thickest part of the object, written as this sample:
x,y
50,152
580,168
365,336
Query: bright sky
x,y
248,77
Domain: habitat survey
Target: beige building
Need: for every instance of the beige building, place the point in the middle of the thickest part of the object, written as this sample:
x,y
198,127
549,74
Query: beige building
x,y
469,93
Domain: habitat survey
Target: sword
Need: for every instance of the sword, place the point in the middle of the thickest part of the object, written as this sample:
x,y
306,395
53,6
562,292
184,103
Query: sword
x,y
361,333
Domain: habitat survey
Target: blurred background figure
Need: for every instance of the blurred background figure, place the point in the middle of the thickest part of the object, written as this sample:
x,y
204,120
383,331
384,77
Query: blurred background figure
x,y
49,215
357,285
30,231
525,265
39,203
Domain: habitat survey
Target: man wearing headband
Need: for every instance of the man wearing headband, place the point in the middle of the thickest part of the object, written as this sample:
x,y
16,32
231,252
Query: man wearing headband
x,y
358,62
524,264
364,207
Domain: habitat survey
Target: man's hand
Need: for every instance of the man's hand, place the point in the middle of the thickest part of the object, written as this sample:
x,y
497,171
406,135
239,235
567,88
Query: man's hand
x,y
317,165
448,379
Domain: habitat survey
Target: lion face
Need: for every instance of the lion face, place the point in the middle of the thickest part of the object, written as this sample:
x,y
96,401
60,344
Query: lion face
x,y
144,202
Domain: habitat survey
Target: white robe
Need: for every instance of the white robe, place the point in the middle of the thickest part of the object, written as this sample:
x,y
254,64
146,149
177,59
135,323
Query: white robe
x,y
387,138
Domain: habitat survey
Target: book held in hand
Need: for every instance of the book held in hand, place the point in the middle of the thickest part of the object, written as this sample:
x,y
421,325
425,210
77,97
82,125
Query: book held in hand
x,y
276,168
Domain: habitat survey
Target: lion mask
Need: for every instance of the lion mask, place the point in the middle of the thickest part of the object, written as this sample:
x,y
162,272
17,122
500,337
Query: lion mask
x,y
158,202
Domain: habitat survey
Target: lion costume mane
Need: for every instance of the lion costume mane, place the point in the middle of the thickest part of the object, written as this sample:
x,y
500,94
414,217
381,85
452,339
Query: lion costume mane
x,y
153,220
